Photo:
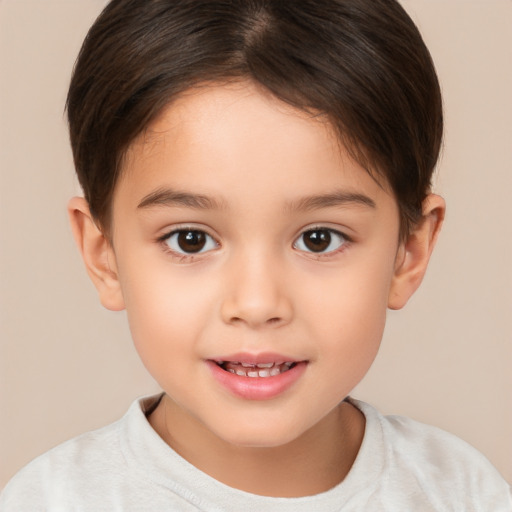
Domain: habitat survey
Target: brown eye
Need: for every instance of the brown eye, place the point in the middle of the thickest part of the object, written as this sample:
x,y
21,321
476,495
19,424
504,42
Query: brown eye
x,y
320,240
190,241
317,241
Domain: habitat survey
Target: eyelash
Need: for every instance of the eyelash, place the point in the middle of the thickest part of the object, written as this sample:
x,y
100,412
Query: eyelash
x,y
343,240
183,256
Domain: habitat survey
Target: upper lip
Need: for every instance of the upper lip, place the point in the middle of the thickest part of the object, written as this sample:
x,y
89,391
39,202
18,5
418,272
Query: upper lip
x,y
260,358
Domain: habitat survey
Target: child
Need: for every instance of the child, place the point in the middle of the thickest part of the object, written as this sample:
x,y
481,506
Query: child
x,y
257,193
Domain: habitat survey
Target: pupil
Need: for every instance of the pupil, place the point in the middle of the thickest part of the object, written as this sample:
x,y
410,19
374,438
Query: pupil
x,y
318,240
191,241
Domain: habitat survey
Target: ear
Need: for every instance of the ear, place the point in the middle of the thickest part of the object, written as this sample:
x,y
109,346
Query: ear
x,y
414,253
97,253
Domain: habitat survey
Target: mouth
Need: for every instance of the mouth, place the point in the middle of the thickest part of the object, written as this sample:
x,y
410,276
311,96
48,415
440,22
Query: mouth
x,y
255,370
257,377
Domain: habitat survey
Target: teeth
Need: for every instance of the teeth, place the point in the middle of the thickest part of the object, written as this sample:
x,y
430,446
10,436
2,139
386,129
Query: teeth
x,y
260,365
253,370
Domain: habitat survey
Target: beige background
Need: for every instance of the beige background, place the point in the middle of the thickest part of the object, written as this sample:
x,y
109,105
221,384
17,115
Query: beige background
x,y
67,366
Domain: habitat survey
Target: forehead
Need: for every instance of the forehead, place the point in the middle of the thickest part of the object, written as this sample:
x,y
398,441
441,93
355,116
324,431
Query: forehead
x,y
211,114
218,137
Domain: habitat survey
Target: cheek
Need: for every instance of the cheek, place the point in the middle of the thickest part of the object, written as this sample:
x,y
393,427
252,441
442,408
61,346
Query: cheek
x,y
167,311
348,308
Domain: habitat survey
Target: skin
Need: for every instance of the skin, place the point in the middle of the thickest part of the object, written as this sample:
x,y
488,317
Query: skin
x,y
256,287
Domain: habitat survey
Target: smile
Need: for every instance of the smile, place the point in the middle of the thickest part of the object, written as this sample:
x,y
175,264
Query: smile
x,y
253,370
262,377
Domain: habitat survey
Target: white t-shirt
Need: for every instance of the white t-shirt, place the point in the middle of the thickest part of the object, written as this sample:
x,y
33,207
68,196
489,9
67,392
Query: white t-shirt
x,y
402,465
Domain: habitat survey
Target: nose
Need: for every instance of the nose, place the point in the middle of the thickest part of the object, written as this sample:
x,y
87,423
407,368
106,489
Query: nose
x,y
255,294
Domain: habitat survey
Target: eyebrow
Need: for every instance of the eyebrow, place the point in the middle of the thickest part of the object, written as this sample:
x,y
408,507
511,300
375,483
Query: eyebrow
x,y
170,197
340,198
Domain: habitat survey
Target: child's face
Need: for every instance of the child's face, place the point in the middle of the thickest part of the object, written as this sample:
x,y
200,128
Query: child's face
x,y
243,233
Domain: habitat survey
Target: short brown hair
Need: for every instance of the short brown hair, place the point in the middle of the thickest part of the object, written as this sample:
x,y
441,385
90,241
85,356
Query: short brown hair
x,y
362,63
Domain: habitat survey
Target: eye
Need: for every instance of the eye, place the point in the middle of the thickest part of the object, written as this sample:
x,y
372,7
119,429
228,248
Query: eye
x,y
320,240
190,241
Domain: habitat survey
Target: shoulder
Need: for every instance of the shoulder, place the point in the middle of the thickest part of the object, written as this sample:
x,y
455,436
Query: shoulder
x,y
86,466
82,461
427,460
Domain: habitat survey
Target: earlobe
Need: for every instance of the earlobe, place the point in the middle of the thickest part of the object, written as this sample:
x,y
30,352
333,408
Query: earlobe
x,y
414,253
97,253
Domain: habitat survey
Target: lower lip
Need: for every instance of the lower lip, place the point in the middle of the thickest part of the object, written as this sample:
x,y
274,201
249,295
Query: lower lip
x,y
257,388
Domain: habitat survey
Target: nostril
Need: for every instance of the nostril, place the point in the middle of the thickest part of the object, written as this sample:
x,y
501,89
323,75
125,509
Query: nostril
x,y
271,321
254,310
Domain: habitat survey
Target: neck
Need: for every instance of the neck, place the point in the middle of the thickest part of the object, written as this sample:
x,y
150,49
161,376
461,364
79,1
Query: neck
x,y
313,463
